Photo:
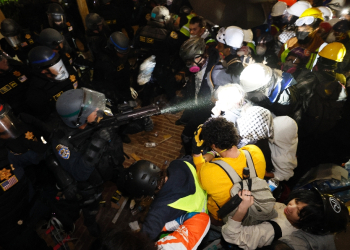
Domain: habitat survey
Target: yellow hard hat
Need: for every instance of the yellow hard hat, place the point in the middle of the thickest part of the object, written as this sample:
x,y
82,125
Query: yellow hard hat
x,y
314,12
333,51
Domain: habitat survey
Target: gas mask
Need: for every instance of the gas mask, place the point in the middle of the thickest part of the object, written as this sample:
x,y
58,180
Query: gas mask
x,y
196,67
14,41
261,49
59,71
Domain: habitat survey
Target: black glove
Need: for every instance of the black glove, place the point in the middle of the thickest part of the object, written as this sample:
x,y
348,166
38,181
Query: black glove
x,y
148,123
105,133
196,149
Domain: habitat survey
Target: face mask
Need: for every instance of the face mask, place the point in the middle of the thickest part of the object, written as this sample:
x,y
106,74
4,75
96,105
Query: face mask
x,y
59,71
261,50
302,35
330,38
288,67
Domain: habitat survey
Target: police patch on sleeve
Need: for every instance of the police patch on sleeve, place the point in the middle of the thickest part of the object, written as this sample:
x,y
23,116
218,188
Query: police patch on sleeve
x,y
63,151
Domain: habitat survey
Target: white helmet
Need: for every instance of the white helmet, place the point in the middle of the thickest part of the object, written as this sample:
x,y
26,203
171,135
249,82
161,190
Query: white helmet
x,y
248,36
255,76
298,8
333,21
327,13
278,9
336,4
231,36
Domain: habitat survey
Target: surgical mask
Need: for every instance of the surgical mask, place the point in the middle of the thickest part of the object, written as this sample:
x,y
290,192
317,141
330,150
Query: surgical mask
x,y
289,67
14,41
261,50
330,38
302,36
59,71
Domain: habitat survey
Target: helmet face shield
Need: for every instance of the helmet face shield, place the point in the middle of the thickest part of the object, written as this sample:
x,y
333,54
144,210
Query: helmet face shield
x,y
10,126
92,101
57,20
58,71
14,41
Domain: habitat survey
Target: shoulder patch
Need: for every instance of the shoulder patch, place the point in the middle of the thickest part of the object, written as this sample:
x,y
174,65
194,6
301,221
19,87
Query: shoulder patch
x,y
63,151
27,36
173,35
72,78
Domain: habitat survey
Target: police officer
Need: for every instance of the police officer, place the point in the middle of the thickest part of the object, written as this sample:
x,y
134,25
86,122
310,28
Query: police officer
x,y
14,82
97,33
115,18
15,208
54,40
90,156
112,69
58,21
22,138
15,42
156,39
51,78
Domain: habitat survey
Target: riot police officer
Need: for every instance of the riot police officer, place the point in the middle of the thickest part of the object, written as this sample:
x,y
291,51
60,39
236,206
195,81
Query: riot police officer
x,y
112,69
14,82
15,42
87,153
51,78
54,40
97,33
115,18
58,21
156,39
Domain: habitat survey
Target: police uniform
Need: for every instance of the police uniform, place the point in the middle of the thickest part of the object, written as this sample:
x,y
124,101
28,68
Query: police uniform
x,y
43,93
112,76
13,86
156,40
90,160
15,205
21,50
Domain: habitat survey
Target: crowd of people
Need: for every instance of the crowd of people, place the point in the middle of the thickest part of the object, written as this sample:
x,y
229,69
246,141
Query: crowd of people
x,y
261,107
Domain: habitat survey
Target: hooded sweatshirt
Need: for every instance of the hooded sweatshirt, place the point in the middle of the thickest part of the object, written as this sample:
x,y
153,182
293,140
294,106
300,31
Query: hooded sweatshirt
x,y
283,147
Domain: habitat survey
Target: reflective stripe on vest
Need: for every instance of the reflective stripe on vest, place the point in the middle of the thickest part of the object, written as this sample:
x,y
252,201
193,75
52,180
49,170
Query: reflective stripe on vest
x,y
310,63
186,28
196,202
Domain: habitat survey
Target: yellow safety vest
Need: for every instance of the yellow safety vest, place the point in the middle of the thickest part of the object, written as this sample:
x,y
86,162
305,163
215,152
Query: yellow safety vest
x,y
309,64
186,28
196,202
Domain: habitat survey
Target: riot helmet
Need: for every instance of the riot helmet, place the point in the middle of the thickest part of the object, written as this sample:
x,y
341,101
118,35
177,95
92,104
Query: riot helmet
x,y
160,14
119,42
48,62
10,126
75,105
51,38
56,16
93,21
142,178
11,31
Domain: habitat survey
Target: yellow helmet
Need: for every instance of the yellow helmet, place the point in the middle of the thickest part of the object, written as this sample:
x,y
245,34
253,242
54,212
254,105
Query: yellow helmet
x,y
314,12
333,51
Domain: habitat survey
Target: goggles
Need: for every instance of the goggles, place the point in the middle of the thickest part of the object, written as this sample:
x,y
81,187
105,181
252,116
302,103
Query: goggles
x,y
305,21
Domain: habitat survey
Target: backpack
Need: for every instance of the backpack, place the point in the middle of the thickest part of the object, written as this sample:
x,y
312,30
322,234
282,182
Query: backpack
x,y
263,207
325,106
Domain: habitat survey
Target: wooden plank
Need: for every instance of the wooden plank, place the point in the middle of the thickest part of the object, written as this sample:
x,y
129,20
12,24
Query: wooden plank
x,y
83,9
